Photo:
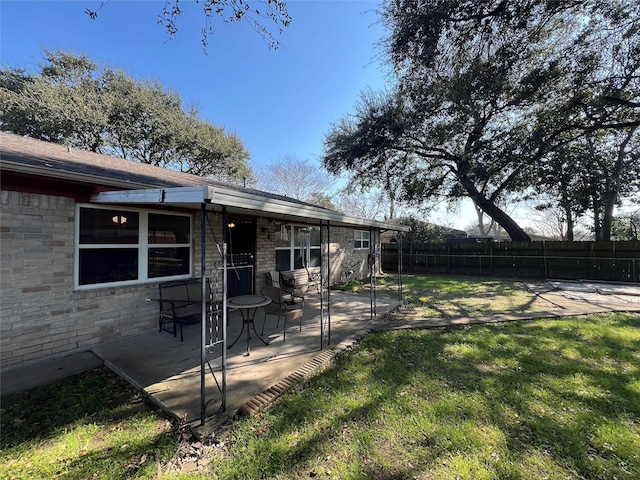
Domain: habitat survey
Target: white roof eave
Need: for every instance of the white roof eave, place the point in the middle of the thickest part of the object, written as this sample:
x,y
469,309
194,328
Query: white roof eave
x,y
193,197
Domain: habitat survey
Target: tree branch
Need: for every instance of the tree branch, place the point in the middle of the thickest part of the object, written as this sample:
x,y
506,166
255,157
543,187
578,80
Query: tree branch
x,y
621,101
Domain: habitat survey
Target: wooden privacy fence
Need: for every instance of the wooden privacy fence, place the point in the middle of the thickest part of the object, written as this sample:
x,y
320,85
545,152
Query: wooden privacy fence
x,y
607,261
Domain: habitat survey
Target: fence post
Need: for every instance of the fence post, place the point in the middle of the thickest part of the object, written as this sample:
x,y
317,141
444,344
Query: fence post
x,y
491,258
411,257
593,260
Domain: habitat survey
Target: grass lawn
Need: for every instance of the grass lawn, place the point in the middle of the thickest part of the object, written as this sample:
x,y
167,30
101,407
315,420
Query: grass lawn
x,y
450,296
91,425
541,399
534,399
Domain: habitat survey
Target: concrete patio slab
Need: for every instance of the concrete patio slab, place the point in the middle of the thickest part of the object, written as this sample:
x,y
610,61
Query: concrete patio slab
x,y
31,376
169,370
594,296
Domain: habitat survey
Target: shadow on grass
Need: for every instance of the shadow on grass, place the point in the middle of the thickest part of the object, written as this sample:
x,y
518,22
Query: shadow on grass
x,y
38,412
454,296
97,423
556,398
130,460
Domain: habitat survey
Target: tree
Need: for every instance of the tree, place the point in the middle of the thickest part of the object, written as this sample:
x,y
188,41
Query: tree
x,y
422,232
207,150
382,189
491,227
70,101
144,119
594,121
294,177
613,171
626,227
433,159
61,105
562,188
363,204
322,199
549,219
257,13
481,96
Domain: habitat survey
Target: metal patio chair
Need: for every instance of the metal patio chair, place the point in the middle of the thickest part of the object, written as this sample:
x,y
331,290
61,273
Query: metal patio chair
x,y
281,307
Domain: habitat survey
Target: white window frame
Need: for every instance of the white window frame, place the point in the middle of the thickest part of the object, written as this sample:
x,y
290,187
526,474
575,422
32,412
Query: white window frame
x,y
362,238
294,247
142,246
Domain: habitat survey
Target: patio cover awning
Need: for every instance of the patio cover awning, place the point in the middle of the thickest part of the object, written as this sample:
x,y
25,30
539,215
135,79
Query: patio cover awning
x,y
239,202
231,200
26,161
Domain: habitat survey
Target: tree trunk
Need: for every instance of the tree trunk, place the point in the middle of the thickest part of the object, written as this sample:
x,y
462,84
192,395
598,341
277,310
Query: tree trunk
x,y
613,187
597,227
607,216
514,230
570,224
392,206
480,215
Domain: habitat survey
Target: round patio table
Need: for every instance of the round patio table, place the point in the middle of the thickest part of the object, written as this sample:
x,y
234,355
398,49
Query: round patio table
x,y
248,304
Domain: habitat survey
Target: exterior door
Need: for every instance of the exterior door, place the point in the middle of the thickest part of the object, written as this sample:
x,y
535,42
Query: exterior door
x,y
241,257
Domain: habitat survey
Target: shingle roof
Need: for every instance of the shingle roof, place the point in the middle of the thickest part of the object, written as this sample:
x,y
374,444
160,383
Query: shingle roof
x,y
35,157
56,161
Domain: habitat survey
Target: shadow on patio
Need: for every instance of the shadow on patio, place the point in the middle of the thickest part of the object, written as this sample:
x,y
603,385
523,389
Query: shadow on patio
x,y
169,370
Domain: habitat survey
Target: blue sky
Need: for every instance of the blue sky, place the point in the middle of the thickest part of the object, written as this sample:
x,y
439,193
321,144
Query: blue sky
x,y
280,102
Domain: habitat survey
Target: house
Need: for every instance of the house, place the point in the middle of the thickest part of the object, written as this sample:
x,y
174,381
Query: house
x,y
86,239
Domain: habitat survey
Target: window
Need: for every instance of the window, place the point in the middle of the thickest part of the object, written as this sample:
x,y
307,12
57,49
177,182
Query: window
x,y
361,240
297,247
122,246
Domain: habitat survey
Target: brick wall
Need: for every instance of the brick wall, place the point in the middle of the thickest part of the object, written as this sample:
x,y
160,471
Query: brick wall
x,y
265,251
40,314
342,253
265,259
345,258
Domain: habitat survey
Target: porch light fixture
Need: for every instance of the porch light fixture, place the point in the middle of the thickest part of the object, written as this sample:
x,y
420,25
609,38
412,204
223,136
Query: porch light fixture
x,y
231,224
119,219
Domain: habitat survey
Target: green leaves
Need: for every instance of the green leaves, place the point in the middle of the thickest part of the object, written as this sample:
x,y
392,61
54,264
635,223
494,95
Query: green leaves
x,y
230,11
488,92
72,102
